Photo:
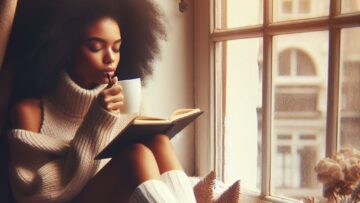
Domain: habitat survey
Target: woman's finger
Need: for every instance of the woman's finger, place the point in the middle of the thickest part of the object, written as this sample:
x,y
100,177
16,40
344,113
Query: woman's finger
x,y
115,98
115,80
115,106
114,90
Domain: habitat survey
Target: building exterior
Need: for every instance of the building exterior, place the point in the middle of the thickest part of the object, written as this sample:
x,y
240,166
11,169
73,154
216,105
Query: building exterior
x,y
300,92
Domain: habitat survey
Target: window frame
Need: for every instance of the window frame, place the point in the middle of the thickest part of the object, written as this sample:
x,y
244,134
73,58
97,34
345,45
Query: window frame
x,y
207,77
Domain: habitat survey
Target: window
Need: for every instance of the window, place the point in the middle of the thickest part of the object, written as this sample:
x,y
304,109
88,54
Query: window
x,y
295,62
280,81
349,6
299,9
295,6
349,89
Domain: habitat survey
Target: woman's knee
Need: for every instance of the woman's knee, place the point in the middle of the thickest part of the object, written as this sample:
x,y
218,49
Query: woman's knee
x,y
139,161
136,151
159,140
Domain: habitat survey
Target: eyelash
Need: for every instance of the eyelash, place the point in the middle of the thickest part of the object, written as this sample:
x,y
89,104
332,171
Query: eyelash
x,y
116,50
94,49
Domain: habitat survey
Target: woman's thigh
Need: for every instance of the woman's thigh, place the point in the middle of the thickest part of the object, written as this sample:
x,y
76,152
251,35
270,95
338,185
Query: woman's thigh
x,y
116,181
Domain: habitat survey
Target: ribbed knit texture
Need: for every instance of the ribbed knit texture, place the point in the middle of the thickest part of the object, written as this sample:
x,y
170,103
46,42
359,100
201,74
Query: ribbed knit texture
x,y
231,194
55,164
152,191
204,189
180,185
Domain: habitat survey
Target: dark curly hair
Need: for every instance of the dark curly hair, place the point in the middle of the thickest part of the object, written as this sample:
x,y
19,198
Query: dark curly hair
x,y
45,35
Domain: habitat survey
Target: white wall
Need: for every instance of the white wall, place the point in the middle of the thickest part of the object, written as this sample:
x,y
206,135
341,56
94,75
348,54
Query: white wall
x,y
171,86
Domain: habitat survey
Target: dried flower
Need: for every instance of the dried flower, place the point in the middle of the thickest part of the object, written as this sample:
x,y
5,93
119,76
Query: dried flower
x,y
329,170
340,175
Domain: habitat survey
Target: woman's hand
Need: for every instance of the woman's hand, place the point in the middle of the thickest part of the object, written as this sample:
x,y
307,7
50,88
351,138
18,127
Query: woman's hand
x,y
112,98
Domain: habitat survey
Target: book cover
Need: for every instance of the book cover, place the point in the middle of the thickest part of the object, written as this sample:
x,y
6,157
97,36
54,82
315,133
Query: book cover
x,y
143,128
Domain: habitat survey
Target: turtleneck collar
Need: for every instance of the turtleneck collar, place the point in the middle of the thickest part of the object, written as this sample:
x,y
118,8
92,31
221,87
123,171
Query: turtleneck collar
x,y
72,99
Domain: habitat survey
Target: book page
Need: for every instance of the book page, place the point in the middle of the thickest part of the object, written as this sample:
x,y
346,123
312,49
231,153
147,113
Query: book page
x,y
151,122
180,113
148,118
143,120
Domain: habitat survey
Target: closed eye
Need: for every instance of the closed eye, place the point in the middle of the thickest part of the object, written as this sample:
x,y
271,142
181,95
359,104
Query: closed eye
x,y
95,47
116,46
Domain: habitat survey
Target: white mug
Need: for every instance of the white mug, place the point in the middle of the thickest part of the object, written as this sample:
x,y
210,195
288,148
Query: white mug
x,y
132,95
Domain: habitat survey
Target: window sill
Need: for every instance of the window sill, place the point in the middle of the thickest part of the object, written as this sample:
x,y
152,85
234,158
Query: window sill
x,y
253,197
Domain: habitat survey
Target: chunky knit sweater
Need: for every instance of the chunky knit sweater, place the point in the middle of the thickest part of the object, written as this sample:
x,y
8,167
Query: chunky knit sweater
x,y
54,164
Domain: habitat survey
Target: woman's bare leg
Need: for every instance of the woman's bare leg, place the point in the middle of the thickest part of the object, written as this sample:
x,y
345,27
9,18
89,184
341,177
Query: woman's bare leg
x,y
164,153
170,168
118,179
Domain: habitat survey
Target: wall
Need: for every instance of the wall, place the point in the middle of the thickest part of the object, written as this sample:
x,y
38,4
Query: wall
x,y
171,86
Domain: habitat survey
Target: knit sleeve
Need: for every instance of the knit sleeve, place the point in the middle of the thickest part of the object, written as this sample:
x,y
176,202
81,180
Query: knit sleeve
x,y
48,169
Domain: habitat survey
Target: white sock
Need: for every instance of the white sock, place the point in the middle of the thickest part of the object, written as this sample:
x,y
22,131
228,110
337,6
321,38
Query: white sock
x,y
152,191
180,185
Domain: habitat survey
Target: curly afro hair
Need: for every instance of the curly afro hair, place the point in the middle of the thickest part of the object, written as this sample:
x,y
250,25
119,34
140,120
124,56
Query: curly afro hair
x,y
45,34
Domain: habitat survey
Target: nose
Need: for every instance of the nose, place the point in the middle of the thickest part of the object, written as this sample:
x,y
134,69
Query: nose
x,y
109,57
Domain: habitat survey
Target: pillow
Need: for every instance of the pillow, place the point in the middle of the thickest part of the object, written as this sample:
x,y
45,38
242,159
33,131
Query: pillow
x,y
203,190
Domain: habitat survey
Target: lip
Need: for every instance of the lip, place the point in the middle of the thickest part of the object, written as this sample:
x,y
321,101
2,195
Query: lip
x,y
110,71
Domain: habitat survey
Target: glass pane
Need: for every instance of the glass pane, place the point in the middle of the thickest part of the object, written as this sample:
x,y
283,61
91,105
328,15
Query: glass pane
x,y
242,126
350,88
299,109
349,6
299,9
238,13
284,59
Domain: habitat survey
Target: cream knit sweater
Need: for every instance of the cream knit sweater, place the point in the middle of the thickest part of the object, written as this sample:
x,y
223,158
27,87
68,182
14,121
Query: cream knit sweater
x,y
56,163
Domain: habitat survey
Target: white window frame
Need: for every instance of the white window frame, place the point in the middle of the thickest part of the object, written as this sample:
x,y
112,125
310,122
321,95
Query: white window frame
x,y
208,127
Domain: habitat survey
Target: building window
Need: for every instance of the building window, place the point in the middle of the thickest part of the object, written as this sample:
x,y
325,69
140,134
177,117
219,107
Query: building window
x,y
284,10
283,91
287,6
295,62
295,6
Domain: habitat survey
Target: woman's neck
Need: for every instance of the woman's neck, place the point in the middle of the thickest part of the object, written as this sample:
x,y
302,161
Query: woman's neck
x,y
81,81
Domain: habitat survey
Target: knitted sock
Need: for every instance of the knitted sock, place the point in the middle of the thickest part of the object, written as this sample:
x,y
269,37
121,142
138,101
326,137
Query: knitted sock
x,y
180,185
231,195
152,191
204,188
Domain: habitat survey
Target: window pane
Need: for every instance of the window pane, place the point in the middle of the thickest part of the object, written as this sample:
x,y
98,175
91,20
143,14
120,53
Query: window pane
x,y
237,13
305,65
284,59
350,89
299,109
242,130
299,9
349,6
287,6
304,6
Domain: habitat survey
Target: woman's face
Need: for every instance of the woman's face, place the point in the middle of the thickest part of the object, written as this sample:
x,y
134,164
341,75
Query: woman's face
x,y
98,53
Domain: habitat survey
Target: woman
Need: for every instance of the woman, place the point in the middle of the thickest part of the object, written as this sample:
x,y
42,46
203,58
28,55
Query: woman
x,y
58,129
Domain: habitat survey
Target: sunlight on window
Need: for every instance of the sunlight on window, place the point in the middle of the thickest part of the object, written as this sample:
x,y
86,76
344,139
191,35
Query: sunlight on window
x,y
299,9
242,156
238,13
350,6
350,88
300,89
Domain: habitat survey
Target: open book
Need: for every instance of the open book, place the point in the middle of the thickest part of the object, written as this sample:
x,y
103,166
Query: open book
x,y
143,127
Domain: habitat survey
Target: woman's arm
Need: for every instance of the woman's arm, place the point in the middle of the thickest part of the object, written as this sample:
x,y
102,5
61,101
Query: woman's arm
x,y
26,115
34,166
